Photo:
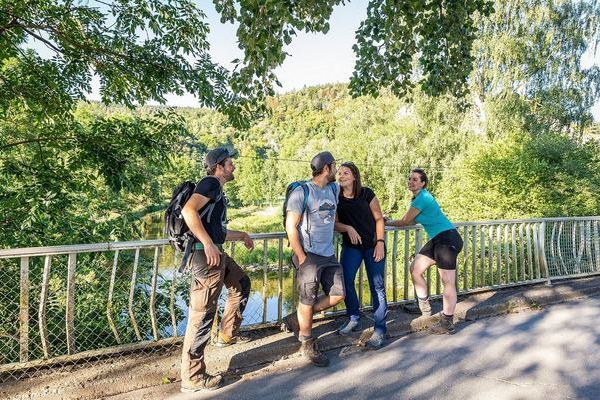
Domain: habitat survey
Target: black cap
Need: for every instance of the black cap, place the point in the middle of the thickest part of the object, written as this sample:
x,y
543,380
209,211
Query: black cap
x,y
218,155
321,160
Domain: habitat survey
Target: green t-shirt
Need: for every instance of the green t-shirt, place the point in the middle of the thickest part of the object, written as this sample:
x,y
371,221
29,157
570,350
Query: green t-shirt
x,y
431,216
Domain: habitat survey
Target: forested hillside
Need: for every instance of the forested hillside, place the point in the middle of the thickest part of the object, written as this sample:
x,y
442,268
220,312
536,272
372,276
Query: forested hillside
x,y
520,143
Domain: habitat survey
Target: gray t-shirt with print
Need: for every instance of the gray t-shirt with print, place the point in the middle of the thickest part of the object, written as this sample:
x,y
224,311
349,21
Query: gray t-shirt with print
x,y
316,228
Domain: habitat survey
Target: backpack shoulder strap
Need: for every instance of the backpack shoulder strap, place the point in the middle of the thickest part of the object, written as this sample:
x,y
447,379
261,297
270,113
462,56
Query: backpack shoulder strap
x,y
306,193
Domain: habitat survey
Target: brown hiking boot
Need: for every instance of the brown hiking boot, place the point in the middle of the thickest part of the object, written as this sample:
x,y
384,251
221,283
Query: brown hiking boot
x,y
310,350
205,383
425,307
445,325
290,323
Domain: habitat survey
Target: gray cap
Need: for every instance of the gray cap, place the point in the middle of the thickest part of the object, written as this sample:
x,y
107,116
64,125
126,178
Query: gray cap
x,y
321,160
217,155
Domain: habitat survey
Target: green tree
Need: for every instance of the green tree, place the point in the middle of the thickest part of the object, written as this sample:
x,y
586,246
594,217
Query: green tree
x,y
139,49
395,32
70,189
535,49
522,177
54,159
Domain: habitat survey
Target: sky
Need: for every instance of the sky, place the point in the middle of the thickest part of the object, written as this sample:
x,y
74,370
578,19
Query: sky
x,y
314,59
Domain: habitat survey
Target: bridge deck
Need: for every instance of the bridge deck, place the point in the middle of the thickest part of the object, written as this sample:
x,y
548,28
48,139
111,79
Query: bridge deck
x,y
105,378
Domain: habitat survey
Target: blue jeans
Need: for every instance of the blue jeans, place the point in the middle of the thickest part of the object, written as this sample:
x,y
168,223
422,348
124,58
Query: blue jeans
x,y
351,259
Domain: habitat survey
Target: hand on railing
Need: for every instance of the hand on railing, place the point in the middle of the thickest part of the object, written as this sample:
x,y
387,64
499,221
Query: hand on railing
x,y
248,242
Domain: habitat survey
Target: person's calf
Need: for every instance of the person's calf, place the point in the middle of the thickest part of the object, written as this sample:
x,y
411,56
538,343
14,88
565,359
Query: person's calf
x,y
335,300
305,319
450,299
325,302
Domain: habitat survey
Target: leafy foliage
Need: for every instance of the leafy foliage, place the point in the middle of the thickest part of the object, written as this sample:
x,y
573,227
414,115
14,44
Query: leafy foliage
x,y
61,189
439,33
139,49
522,177
88,170
536,49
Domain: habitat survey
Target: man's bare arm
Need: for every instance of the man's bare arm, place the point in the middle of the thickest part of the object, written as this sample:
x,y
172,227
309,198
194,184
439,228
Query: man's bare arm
x,y
292,221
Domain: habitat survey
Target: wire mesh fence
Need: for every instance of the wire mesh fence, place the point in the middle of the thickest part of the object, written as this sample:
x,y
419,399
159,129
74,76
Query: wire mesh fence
x,y
78,303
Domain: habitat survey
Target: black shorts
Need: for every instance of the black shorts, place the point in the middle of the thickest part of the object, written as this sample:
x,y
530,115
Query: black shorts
x,y
444,248
318,271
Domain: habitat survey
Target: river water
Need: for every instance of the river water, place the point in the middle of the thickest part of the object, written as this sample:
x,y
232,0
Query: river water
x,y
264,285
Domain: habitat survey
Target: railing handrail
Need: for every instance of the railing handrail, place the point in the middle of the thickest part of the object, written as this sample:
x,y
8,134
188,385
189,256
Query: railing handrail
x,y
496,254
132,245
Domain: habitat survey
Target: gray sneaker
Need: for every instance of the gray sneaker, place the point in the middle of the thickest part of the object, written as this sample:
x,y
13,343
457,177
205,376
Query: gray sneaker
x,y
349,327
375,341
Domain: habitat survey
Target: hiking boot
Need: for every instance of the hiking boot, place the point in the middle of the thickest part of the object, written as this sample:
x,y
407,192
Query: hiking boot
x,y
290,323
349,327
224,341
410,308
445,325
375,341
425,307
310,350
205,383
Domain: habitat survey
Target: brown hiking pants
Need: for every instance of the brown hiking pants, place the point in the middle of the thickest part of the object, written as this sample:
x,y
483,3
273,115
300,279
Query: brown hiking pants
x,y
206,286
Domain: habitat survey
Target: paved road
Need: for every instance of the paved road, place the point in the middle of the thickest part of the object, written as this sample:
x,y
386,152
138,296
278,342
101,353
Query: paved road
x,y
549,354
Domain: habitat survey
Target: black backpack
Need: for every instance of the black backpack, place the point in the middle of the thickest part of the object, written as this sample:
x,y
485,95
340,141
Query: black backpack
x,y
176,230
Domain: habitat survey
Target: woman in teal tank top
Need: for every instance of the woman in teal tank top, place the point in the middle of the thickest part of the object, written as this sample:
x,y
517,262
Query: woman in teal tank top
x,y
441,250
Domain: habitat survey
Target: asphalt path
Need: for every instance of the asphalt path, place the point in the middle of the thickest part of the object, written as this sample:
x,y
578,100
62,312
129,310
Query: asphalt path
x,y
552,353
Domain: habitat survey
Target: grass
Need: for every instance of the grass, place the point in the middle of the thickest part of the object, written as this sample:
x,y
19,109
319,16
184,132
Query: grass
x,y
253,219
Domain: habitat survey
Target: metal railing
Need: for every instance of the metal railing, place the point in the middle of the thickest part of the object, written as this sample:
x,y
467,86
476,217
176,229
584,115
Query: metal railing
x,y
63,303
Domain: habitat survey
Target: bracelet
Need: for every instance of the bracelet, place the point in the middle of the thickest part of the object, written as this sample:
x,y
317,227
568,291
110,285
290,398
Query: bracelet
x,y
380,240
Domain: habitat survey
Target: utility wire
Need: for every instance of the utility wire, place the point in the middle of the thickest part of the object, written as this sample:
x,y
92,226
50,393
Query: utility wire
x,y
426,167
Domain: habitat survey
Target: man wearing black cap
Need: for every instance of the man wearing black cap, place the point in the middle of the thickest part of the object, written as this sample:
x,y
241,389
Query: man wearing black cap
x,y
310,232
205,214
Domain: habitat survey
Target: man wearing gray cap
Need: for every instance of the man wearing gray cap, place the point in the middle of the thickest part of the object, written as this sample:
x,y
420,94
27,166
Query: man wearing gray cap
x,y
205,214
310,232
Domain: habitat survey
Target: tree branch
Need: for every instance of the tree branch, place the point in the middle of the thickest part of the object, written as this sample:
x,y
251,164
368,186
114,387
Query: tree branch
x,y
37,140
41,39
